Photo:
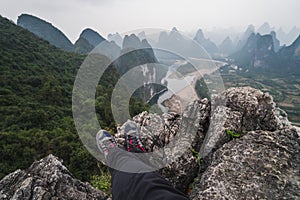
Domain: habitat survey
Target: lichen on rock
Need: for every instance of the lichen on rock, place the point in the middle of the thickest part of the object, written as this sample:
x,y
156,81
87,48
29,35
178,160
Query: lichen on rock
x,y
259,165
46,179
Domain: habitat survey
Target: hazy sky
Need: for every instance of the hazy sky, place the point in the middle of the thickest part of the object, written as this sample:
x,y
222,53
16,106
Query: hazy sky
x,y
109,16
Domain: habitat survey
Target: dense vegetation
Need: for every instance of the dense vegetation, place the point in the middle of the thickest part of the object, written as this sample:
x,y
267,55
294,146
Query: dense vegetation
x,y
36,83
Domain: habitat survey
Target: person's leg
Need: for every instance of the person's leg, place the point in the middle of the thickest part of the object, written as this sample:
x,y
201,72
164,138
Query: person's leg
x,y
140,186
144,186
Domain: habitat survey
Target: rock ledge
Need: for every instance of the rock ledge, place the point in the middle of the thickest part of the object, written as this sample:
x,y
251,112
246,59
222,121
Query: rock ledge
x,y
46,179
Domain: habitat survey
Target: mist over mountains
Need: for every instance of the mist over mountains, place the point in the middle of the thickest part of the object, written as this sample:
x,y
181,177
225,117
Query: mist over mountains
x,y
259,53
39,65
218,43
254,49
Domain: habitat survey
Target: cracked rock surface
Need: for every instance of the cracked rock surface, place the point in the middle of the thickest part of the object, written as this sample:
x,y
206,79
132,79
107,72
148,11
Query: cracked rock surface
x,y
263,162
46,179
259,165
229,168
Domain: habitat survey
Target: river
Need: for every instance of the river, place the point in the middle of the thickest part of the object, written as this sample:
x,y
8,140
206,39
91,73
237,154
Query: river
x,y
183,86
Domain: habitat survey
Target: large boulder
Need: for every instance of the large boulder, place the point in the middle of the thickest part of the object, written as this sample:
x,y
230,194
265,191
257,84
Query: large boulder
x,y
259,165
257,108
46,179
222,120
239,110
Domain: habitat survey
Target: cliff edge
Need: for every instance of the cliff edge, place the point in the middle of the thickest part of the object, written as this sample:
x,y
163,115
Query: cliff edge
x,y
253,154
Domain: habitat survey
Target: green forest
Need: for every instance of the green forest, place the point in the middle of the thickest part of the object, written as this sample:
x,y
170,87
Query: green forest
x,y
36,83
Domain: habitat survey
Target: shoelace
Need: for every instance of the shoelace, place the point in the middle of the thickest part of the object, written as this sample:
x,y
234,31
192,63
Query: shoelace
x,y
135,142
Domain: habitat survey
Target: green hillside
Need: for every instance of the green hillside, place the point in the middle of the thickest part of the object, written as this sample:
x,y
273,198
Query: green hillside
x,y
35,106
36,83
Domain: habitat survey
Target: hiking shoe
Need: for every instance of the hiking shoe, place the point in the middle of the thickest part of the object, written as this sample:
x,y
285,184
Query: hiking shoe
x,y
105,142
133,141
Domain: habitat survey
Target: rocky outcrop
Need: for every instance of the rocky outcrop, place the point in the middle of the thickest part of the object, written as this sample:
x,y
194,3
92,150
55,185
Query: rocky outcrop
x,y
256,108
46,179
229,168
259,165
261,160
242,110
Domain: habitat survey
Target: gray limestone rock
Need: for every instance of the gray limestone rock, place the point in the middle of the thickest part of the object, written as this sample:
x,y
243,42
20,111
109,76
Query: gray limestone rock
x,y
259,165
221,120
46,179
239,110
257,108
263,163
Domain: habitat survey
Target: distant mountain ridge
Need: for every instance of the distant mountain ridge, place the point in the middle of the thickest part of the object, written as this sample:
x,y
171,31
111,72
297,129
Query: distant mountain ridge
x,y
265,28
208,45
292,51
87,41
134,52
92,36
82,46
227,47
250,30
89,38
257,49
259,53
288,37
46,31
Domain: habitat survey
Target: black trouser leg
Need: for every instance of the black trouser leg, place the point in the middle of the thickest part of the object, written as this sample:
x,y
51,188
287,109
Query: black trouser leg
x,y
139,186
